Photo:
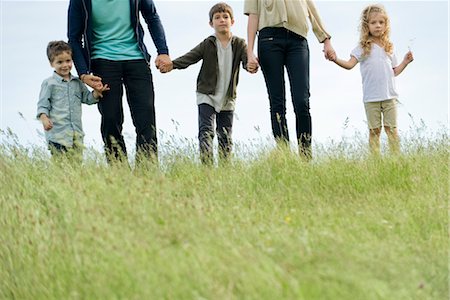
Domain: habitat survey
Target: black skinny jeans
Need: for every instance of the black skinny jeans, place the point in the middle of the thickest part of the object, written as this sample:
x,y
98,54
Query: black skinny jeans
x,y
279,48
207,115
136,76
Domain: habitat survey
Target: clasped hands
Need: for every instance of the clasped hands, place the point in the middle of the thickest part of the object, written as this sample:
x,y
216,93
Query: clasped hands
x,y
96,83
164,63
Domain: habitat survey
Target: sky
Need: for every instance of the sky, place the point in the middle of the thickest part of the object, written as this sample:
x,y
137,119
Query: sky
x,y
336,94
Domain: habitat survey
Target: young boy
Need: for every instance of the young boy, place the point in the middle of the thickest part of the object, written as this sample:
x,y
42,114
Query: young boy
x,y
222,54
59,105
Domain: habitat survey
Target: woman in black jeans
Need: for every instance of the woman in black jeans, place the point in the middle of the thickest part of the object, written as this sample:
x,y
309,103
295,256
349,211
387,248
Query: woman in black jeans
x,y
282,29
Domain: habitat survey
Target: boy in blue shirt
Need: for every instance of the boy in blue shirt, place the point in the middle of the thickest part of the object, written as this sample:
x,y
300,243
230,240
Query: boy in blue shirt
x,y
222,54
59,105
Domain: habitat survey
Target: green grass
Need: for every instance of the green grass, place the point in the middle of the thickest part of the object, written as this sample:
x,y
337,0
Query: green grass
x,y
345,226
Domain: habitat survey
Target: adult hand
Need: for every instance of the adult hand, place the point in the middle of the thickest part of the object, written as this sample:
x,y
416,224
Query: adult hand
x,y
328,50
166,68
252,62
91,80
163,62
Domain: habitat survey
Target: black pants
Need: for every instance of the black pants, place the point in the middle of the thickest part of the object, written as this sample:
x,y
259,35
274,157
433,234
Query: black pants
x,y
74,153
136,76
279,48
224,125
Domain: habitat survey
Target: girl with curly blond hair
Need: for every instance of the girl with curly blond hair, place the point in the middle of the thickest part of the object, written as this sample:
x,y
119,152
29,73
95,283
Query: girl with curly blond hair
x,y
379,66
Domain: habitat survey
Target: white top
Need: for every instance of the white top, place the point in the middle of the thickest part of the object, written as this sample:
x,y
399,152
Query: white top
x,y
377,74
225,60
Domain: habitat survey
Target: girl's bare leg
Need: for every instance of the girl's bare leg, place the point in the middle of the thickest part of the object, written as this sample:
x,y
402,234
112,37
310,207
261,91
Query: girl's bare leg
x,y
393,139
374,141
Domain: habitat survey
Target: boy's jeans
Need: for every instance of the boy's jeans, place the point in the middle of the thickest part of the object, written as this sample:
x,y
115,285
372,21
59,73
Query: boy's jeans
x,y
136,76
279,48
224,125
74,153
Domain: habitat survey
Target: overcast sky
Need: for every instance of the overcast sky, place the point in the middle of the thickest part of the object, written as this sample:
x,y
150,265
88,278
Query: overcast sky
x,y
336,94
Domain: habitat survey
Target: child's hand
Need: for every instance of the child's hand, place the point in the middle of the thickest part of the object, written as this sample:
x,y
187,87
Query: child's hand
x,y
99,89
46,122
408,57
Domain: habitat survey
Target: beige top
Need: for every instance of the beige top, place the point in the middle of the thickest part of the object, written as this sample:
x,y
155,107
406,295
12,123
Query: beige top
x,y
290,14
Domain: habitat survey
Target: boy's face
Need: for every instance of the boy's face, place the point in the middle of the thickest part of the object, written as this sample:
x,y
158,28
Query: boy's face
x,y
62,64
221,22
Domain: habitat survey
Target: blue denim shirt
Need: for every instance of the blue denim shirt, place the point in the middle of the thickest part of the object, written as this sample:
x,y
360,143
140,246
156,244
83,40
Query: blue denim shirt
x,y
61,101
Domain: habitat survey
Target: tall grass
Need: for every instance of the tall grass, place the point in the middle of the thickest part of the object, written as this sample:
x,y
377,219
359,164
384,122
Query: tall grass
x,y
344,226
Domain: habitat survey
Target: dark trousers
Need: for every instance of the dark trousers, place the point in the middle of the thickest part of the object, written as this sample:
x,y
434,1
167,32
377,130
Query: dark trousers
x,y
57,149
74,153
207,115
279,48
136,76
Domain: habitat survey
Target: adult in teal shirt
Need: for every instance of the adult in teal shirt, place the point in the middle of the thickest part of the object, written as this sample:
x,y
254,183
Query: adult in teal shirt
x,y
107,41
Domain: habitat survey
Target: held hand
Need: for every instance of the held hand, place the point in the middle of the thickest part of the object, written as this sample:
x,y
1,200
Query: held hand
x,y
162,61
91,80
408,57
328,50
252,63
166,68
98,91
332,57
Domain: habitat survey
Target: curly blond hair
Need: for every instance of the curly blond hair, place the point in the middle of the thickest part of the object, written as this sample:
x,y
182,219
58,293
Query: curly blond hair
x,y
365,38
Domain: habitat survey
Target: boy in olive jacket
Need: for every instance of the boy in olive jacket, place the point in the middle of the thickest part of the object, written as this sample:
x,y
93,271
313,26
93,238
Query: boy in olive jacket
x,y
222,54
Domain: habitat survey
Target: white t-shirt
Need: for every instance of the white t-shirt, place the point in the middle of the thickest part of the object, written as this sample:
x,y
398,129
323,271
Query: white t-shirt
x,y
377,74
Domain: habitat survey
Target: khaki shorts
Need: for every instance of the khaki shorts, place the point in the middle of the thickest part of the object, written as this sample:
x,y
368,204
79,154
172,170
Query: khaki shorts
x,y
381,110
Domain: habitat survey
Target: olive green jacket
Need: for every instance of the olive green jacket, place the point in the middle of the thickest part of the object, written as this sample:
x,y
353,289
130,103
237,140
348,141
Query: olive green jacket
x,y
209,71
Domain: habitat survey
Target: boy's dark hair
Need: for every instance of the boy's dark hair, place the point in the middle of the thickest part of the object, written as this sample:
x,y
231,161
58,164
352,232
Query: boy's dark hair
x,y
55,48
220,8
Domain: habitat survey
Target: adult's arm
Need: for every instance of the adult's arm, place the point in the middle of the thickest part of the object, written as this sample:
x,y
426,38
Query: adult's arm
x,y
252,28
316,23
319,30
151,17
75,30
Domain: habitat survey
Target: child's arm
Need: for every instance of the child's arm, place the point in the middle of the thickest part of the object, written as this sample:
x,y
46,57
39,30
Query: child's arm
x,y
406,61
190,58
346,64
46,122
44,106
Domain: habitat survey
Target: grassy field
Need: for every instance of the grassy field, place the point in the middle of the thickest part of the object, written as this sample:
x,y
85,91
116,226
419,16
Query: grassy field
x,y
344,226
